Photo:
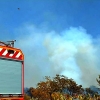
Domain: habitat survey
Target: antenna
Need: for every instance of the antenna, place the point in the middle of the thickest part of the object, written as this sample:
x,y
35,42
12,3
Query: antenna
x,y
10,43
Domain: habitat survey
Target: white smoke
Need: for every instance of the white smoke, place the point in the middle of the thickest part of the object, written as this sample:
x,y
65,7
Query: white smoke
x,y
73,53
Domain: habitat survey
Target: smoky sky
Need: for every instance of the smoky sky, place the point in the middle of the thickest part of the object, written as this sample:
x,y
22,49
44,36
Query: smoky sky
x,y
72,52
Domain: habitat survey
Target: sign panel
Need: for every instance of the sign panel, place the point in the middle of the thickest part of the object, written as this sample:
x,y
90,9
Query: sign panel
x,y
10,77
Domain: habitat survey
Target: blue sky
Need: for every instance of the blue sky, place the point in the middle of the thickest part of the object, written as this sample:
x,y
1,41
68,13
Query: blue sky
x,y
59,34
55,14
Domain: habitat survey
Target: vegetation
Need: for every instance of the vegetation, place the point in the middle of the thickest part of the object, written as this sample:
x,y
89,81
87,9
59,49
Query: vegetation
x,y
59,87
98,80
27,97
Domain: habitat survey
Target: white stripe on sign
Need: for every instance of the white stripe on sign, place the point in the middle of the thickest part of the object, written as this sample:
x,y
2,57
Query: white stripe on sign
x,y
18,55
1,49
5,53
12,54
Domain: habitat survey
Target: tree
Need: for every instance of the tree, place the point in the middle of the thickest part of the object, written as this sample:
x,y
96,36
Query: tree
x,y
61,82
54,86
98,80
26,97
88,91
26,91
39,93
74,88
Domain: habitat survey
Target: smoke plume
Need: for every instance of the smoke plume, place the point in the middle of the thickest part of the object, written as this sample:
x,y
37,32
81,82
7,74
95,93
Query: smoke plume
x,y
72,52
